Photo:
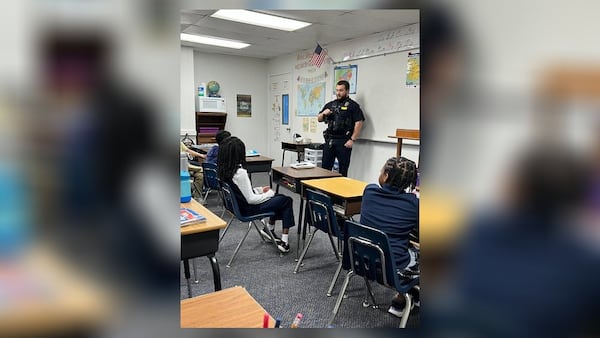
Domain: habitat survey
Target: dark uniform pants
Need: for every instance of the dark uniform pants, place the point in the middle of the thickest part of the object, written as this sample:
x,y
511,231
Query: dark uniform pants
x,y
335,148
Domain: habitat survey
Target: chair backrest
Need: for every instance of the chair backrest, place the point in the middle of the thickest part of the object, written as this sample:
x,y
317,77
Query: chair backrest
x,y
232,204
322,215
371,257
210,175
229,199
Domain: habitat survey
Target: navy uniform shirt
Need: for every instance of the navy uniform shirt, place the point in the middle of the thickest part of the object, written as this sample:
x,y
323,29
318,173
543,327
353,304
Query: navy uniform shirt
x,y
394,212
346,112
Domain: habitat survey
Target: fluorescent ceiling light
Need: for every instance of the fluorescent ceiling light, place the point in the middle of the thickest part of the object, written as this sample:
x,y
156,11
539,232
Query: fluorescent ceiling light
x,y
260,19
209,40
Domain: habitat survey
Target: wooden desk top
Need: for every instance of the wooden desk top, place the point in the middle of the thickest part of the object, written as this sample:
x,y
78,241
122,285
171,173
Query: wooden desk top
x,y
443,216
47,295
411,134
229,308
305,173
340,186
213,222
259,158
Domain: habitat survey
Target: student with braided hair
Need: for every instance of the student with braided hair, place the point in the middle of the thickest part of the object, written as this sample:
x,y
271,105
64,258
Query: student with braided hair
x,y
392,207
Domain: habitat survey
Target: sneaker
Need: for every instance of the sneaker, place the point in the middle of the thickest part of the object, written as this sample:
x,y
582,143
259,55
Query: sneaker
x,y
283,247
398,303
414,293
396,311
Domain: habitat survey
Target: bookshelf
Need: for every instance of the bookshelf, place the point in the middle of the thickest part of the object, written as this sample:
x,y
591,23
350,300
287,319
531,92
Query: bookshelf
x,y
207,126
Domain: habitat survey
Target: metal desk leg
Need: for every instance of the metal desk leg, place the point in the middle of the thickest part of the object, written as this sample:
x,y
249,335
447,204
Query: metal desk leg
x,y
186,272
216,271
195,272
282,157
305,225
299,226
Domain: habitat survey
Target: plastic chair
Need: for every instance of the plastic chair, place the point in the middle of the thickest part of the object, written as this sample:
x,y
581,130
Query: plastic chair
x,y
232,205
321,217
370,257
211,182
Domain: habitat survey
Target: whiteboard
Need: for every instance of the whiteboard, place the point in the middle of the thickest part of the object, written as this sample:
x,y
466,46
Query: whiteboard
x,y
386,101
403,38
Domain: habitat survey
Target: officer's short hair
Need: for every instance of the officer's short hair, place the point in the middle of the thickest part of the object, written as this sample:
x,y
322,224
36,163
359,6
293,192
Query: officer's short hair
x,y
344,83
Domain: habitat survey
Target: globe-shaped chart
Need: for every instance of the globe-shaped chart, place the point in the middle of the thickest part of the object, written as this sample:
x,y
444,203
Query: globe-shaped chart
x,y
213,88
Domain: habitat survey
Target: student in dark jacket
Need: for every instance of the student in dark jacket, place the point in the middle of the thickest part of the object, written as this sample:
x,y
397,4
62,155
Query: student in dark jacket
x,y
211,156
392,207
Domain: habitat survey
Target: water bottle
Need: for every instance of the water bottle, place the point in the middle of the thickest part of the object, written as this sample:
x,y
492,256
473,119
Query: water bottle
x,y
184,177
14,215
201,89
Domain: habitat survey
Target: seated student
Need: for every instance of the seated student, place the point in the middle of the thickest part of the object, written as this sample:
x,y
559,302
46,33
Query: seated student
x,y
393,208
230,169
194,168
191,153
211,156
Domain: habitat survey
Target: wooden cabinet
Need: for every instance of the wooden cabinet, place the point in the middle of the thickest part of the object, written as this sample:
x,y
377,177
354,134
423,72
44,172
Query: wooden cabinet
x,y
208,125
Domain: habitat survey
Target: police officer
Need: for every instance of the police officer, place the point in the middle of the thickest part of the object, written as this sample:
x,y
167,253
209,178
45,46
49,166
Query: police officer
x,y
344,120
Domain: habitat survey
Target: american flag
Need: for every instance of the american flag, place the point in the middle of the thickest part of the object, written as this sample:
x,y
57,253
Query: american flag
x,y
318,56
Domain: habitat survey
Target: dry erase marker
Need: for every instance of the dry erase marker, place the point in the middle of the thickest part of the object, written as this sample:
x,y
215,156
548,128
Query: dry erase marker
x,y
265,320
296,321
277,322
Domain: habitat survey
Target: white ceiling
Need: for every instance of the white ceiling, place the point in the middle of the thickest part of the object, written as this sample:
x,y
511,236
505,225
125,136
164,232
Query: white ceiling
x,y
327,27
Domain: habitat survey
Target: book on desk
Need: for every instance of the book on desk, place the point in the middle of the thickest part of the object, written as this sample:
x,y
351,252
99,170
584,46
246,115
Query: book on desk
x,y
188,217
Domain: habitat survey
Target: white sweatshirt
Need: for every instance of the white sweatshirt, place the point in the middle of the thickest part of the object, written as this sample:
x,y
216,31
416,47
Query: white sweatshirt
x,y
242,180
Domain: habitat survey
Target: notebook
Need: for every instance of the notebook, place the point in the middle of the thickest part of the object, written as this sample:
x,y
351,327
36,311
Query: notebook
x,y
188,217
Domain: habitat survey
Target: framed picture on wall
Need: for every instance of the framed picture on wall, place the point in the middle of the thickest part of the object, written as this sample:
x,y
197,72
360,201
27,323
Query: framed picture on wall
x,y
348,73
285,111
244,105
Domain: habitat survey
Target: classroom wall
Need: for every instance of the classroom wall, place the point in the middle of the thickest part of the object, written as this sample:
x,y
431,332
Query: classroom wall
x,y
368,156
242,75
188,93
238,75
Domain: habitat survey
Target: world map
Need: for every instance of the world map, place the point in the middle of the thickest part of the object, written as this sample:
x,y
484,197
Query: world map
x,y
311,98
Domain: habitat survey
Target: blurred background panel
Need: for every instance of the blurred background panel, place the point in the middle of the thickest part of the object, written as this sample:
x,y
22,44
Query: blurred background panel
x,y
501,83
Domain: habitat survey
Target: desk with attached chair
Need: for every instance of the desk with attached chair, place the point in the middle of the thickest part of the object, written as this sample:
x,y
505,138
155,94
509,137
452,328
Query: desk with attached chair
x,y
292,179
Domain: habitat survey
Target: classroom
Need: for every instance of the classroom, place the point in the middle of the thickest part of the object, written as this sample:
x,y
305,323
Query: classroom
x,y
268,92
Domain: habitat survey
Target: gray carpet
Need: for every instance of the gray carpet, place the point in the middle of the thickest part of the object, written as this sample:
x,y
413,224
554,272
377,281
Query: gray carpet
x,y
269,278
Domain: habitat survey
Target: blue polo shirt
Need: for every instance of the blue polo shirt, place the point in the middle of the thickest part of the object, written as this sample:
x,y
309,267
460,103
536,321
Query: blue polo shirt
x,y
394,212
211,156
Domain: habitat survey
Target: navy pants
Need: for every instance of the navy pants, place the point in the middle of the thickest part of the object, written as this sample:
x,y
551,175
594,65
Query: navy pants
x,y
282,206
335,148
